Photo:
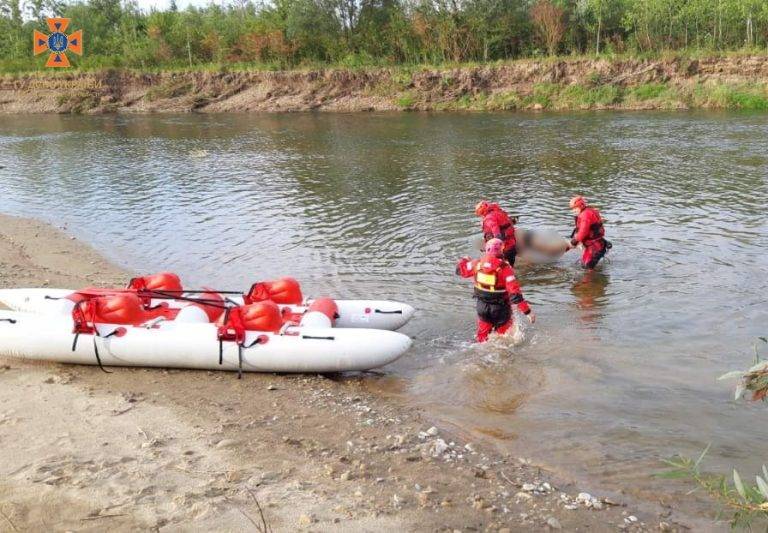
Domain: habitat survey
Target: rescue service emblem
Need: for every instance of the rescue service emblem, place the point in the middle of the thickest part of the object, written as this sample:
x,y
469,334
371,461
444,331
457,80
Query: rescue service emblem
x,y
58,42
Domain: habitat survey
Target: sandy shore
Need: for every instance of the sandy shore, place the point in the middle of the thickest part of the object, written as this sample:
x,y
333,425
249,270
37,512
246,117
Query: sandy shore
x,y
180,450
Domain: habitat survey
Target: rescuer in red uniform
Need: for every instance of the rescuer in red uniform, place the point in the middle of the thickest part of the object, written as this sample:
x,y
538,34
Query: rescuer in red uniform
x,y
589,232
497,224
496,289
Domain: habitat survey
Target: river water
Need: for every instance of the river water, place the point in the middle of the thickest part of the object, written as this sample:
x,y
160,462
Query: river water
x,y
619,371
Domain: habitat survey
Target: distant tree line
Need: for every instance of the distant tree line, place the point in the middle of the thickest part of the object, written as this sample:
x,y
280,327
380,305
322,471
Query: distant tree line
x,y
289,33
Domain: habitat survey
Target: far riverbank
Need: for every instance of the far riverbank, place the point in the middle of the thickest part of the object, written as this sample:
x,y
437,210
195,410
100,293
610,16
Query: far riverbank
x,y
727,82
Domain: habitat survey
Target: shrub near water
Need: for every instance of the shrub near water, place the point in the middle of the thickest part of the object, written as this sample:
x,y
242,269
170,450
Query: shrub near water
x,y
746,97
647,91
748,100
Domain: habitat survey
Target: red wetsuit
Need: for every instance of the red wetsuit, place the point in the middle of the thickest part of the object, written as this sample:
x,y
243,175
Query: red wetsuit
x,y
496,289
589,231
497,224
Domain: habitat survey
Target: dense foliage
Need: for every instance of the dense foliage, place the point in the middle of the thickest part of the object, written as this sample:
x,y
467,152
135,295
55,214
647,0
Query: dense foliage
x,y
288,33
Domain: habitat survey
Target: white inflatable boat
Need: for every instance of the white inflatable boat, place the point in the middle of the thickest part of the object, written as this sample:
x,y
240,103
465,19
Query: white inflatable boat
x,y
194,345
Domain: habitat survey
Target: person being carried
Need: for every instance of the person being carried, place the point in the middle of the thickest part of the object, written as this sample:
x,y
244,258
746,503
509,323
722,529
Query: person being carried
x,y
497,224
496,289
589,232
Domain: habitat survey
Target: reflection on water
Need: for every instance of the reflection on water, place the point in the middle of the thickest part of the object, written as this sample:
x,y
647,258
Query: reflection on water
x,y
589,292
620,368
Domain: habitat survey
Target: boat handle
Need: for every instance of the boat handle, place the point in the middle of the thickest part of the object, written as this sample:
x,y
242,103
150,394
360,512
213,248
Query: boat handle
x,y
318,338
398,312
9,320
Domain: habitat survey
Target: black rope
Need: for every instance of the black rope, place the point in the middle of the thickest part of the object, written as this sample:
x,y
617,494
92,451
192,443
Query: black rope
x,y
163,295
201,291
78,307
96,348
98,357
240,348
9,320
221,341
254,343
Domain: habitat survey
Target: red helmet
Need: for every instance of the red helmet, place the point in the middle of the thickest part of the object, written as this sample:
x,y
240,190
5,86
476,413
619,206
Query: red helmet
x,y
481,209
578,201
494,247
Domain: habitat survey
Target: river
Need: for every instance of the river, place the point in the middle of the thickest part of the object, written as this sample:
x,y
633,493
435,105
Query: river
x,y
620,369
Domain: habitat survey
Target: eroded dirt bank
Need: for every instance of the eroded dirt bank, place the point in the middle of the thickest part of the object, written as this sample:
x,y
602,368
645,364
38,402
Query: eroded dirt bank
x,y
727,82
173,450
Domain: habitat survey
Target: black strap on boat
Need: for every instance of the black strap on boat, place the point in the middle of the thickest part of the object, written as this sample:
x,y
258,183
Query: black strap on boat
x,y
96,348
398,312
221,341
52,297
240,348
318,338
78,306
9,320
254,343
239,361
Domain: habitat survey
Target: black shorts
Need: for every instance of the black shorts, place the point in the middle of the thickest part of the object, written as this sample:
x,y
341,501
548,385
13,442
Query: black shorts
x,y
497,312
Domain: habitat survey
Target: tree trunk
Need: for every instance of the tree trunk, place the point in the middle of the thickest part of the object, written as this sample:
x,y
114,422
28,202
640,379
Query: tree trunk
x,y
189,49
599,29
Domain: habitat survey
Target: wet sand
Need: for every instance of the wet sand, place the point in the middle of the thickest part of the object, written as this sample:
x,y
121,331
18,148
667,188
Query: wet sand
x,y
174,450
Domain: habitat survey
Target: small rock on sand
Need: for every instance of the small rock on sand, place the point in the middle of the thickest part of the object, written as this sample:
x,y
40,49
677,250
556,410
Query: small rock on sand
x,y
554,523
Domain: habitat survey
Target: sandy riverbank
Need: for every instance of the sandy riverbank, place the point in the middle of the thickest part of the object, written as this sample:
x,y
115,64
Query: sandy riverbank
x,y
171,450
728,82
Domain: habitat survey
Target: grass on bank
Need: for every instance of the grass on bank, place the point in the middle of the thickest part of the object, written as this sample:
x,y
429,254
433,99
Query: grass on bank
x,y
556,97
353,62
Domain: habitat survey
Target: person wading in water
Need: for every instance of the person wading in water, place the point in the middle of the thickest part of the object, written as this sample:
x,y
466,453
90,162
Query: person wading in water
x,y
589,232
496,289
497,224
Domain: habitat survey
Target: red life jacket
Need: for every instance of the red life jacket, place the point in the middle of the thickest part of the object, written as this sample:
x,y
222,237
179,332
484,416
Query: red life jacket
x,y
505,223
488,278
282,291
124,309
261,316
596,229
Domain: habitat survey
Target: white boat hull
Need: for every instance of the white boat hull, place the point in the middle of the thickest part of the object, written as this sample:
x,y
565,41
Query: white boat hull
x,y
369,314
195,346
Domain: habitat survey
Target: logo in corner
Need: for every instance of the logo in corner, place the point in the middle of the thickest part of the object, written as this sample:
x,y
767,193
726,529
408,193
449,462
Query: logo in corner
x,y
58,42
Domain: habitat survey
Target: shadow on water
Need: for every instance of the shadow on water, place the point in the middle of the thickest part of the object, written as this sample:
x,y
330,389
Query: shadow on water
x,y
619,370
